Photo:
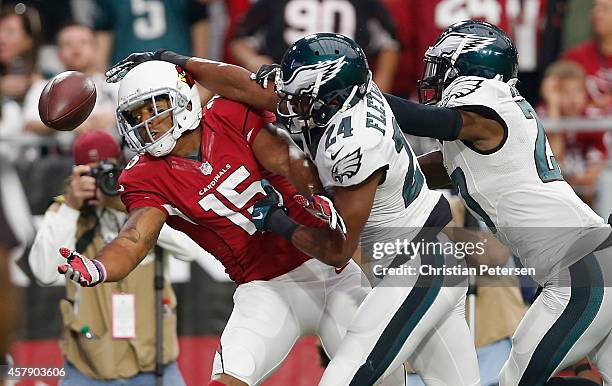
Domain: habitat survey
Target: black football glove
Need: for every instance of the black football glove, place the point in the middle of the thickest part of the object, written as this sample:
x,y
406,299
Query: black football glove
x,y
270,214
265,72
119,70
264,207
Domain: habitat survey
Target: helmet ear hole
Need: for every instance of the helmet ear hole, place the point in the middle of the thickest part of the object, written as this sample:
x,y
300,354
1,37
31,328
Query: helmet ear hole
x,y
450,75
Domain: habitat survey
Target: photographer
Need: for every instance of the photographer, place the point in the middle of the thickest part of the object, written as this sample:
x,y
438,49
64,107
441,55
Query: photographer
x,y
108,331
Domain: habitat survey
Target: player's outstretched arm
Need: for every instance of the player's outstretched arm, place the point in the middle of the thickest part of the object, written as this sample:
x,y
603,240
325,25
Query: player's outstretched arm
x,y
446,124
277,153
232,82
227,80
118,258
137,237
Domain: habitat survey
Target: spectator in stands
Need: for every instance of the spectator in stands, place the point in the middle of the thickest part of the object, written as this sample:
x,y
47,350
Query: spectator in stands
x,y
123,27
595,56
76,48
581,154
96,344
53,15
270,26
19,42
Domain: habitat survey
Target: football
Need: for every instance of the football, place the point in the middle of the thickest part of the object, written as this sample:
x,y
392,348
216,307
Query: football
x,y
67,100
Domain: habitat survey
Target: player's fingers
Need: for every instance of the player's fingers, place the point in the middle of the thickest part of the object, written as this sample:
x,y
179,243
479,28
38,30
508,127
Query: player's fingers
x,y
301,200
66,253
69,273
62,268
113,71
117,73
269,189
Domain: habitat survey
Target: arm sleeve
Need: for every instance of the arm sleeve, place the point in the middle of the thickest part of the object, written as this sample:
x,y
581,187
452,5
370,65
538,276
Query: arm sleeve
x,y
425,120
57,230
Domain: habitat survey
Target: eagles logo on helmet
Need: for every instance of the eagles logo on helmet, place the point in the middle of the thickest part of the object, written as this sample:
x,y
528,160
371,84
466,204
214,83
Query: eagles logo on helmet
x,y
466,48
323,75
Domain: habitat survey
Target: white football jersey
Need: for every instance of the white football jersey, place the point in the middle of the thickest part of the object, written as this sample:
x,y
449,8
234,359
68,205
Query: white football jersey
x,y
517,187
365,139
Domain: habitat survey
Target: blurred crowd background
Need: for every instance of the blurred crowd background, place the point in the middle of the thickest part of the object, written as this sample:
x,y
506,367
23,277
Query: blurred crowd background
x,y
565,57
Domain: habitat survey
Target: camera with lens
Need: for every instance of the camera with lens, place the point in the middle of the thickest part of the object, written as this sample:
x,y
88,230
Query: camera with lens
x,y
106,174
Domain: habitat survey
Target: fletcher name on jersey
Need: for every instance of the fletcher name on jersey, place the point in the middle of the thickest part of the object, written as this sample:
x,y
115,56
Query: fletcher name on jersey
x,y
363,141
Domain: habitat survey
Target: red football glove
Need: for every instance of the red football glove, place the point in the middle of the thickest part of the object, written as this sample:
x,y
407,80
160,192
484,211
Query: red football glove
x,y
80,269
323,208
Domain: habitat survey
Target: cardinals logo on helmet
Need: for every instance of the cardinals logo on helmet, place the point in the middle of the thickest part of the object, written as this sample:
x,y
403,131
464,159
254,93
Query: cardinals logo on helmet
x,y
184,76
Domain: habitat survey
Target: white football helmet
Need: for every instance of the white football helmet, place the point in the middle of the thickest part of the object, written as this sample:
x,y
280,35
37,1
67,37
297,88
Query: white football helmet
x,y
150,82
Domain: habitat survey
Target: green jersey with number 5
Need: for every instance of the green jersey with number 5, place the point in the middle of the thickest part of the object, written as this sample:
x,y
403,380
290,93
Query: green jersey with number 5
x,y
519,183
147,25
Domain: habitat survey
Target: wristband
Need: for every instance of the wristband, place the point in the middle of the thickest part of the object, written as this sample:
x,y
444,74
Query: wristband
x,y
174,58
281,224
101,269
582,367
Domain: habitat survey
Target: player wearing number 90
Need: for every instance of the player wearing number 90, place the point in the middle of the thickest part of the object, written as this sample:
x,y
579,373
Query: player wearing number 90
x,y
200,171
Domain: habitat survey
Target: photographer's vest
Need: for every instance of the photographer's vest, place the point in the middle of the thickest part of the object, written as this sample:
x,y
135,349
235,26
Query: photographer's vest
x,y
87,340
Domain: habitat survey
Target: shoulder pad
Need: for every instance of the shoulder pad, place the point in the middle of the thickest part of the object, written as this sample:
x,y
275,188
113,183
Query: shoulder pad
x,y
348,158
474,90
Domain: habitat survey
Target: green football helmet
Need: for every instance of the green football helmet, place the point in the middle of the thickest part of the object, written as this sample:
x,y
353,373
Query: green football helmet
x,y
323,74
468,47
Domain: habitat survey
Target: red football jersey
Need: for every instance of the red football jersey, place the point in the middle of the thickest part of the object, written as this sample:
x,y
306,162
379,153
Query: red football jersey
x,y
212,201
